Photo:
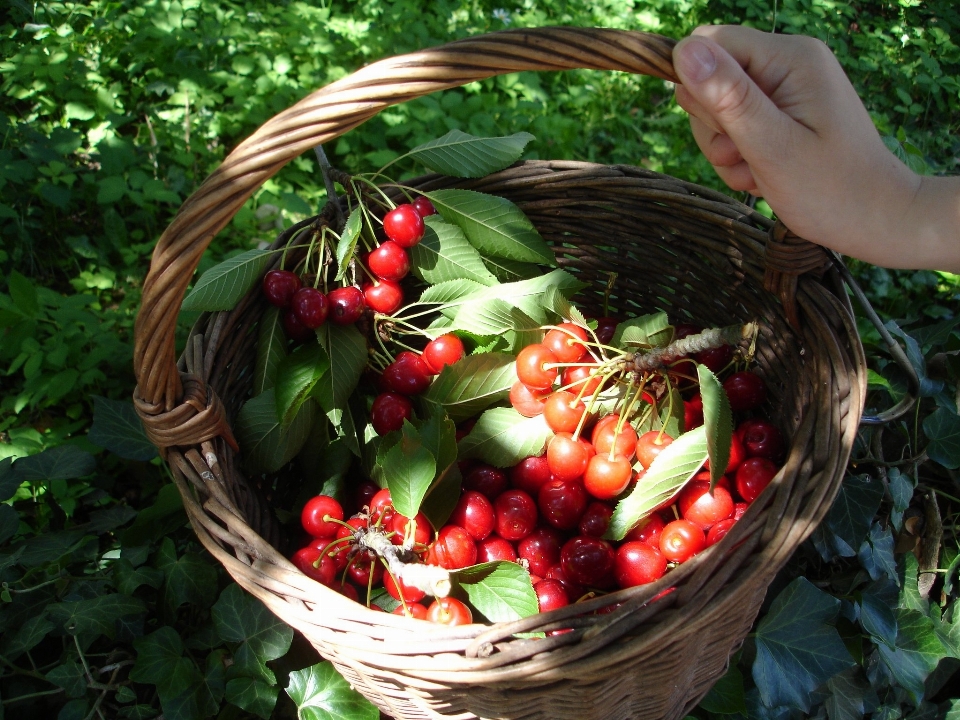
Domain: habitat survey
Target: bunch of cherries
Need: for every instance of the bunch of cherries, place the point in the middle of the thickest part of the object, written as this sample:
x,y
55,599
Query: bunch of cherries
x,y
305,308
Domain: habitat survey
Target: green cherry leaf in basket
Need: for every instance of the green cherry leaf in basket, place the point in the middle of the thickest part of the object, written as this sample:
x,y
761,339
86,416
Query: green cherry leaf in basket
x,y
502,437
652,330
267,446
444,254
321,693
493,225
665,477
718,421
297,375
459,154
222,286
449,291
271,350
511,270
472,384
495,316
409,470
348,241
501,591
346,350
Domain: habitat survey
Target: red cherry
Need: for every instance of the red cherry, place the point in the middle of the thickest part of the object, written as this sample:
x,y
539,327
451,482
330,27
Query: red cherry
x,y
314,510
527,402
605,435
717,532
531,370
692,413
647,530
638,563
442,351
516,514
530,473
562,503
588,561
454,548
389,261
753,476
739,509
576,377
737,455
551,595
407,375
606,478
404,225
363,493
567,342
383,296
365,570
485,479
414,610
422,530
698,505
761,438
567,457
424,206
682,330
745,390
650,445
449,611
474,513
681,540
346,305
347,590
308,560
541,549
595,519
278,287
381,507
606,328
292,326
310,306
388,412
715,358
495,547
398,588
563,412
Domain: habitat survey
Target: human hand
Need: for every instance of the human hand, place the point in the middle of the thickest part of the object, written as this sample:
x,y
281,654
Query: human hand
x,y
776,116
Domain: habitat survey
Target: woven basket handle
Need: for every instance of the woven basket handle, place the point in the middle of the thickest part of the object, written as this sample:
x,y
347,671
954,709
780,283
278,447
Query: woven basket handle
x,y
325,115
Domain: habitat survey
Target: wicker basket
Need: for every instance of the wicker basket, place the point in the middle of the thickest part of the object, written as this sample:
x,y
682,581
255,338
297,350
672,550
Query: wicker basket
x,y
701,255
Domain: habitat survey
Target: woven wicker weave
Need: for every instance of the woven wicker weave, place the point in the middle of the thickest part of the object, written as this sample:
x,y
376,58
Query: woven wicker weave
x,y
676,246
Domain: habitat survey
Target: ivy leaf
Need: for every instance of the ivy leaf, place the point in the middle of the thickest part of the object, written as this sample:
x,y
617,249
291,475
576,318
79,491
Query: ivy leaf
x,y
63,462
23,293
472,384
718,421
848,692
652,330
189,578
321,693
297,375
444,254
9,482
942,428
128,578
222,286
346,351
876,553
878,618
9,523
851,514
271,350
450,291
409,469
493,225
459,154
797,649
156,654
254,696
727,696
916,653
28,636
94,615
117,427
70,677
241,618
674,466
348,241
266,445
502,437
501,591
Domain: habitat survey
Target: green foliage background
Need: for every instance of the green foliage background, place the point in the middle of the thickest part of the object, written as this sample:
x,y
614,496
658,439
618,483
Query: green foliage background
x,y
112,112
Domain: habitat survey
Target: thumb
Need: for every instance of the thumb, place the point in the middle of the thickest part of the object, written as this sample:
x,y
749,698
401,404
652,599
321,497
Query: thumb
x,y
723,91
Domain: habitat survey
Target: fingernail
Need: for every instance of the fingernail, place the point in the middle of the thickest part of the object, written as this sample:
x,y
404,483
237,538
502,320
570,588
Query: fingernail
x,y
696,60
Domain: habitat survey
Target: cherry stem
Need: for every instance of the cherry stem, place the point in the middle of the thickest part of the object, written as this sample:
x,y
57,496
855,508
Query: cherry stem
x,y
628,408
387,201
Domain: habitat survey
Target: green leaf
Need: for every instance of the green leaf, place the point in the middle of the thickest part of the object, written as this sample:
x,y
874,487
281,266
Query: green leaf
x,y
439,435
346,349
501,591
9,482
70,677
472,384
942,428
878,619
493,225
727,696
348,242
797,649
128,578
852,513
441,499
241,618
23,293
876,553
266,445
9,523
117,427
321,693
675,465
271,350
63,462
507,271
222,286
916,654
444,254
652,330
28,636
450,291
297,375
718,421
493,316
252,695
502,437
847,694
94,615
459,154
409,469
189,578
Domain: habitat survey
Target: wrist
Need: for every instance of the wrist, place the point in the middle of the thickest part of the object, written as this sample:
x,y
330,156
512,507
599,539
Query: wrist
x,y
929,233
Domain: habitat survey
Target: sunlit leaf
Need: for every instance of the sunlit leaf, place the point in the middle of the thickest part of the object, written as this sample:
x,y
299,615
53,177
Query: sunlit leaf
x,y
444,254
222,286
321,693
501,591
472,384
348,241
502,437
297,375
717,421
459,154
409,469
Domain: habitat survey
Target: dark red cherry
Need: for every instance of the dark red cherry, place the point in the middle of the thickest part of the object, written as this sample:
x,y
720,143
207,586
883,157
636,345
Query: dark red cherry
x,y
279,286
404,225
310,306
346,305
383,296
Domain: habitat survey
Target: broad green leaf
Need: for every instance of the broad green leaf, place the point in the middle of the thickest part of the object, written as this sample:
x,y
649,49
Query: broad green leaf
x,y
652,330
28,636
953,710
675,465
23,293
852,513
297,375
409,469
439,435
910,597
271,350
70,677
501,591
188,579
876,553
459,154
9,482
727,696
321,693
348,242
441,499
471,385
528,294
878,619
9,523
128,578
63,462
511,270
916,654
254,696
241,618
901,487
493,316
117,427
444,254
94,615
718,421
503,437
450,291
797,647
942,428
493,225
266,445
346,350
847,693
222,286
52,546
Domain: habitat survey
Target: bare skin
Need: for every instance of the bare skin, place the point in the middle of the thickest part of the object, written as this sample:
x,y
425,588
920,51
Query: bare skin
x,y
776,116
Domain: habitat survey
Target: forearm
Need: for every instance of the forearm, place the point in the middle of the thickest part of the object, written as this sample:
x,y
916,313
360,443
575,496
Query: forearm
x,y
929,236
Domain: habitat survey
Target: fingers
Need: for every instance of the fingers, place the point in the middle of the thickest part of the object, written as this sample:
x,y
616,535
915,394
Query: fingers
x,y
726,159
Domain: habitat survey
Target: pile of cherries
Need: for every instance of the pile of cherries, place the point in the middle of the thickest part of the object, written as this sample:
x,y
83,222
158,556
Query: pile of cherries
x,y
550,512
305,308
